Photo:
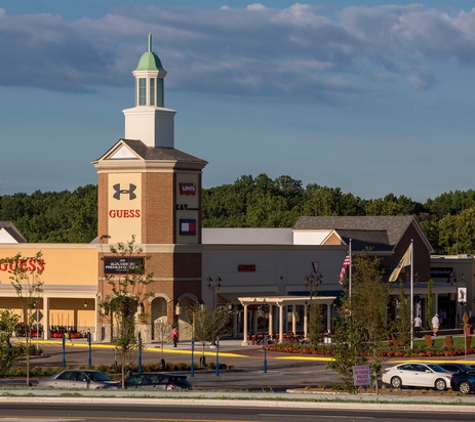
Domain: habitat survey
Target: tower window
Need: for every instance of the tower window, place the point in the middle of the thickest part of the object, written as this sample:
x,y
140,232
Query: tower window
x,y
142,91
160,101
152,91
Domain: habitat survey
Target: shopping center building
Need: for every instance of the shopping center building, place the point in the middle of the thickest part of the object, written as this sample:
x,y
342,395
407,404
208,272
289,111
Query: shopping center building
x,y
151,192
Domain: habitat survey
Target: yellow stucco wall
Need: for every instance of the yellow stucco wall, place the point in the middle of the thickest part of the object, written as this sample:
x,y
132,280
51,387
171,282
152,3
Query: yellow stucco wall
x,y
65,264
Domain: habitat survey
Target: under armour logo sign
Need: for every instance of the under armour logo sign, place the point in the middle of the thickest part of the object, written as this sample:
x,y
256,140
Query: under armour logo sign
x,y
119,191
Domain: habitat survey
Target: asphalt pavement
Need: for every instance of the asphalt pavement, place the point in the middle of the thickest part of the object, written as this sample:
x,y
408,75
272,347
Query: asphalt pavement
x,y
288,379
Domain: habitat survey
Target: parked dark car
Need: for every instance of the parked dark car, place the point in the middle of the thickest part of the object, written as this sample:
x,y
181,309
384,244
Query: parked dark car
x,y
157,381
455,367
77,378
463,381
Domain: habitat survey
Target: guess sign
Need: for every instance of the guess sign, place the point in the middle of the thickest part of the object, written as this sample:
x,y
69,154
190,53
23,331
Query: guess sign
x,y
247,268
26,265
187,189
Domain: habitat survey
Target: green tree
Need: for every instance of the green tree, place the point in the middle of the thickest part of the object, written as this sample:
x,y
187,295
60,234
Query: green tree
x,y
127,292
350,345
315,324
430,303
362,325
25,276
8,321
207,325
402,324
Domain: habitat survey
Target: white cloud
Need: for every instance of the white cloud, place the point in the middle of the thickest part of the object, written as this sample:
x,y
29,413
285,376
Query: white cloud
x,y
297,49
256,6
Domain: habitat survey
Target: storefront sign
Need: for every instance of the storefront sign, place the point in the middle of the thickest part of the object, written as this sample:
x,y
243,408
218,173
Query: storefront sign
x,y
247,268
442,272
124,213
122,265
25,264
187,189
188,227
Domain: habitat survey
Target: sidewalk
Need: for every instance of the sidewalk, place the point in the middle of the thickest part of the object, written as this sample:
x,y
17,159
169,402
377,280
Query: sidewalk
x,y
462,404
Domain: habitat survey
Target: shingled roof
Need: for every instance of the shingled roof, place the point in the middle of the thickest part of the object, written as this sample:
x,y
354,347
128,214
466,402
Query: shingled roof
x,y
156,153
380,232
10,228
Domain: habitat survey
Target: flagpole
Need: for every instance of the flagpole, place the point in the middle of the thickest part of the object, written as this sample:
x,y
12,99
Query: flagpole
x,y
412,293
349,276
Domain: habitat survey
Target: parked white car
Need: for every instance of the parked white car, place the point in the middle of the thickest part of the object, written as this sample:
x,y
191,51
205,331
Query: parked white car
x,y
417,375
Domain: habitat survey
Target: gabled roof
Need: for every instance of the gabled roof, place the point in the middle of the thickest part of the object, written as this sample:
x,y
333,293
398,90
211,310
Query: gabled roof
x,y
137,150
382,232
10,228
360,239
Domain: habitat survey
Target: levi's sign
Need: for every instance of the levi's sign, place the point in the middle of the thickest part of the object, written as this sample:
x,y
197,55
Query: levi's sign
x,y
122,265
187,189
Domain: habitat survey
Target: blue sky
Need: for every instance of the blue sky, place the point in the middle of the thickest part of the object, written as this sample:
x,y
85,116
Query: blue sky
x,y
372,97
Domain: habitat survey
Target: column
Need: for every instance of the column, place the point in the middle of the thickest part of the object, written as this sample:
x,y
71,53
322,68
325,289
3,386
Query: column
x,y
45,318
281,323
235,319
305,320
95,334
271,320
244,331
294,319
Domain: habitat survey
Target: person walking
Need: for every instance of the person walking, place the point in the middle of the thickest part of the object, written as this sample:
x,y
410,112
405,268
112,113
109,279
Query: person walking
x,y
435,324
175,336
417,325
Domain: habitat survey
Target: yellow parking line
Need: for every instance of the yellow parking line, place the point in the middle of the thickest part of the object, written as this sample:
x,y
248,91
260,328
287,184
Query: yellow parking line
x,y
317,358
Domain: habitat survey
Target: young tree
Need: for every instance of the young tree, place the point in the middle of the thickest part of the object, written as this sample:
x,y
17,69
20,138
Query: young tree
x,y
362,325
350,345
403,321
25,276
127,292
8,321
430,303
163,333
315,324
207,325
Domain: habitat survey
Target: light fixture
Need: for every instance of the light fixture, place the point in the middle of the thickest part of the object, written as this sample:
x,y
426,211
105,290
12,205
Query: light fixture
x,y
85,303
177,308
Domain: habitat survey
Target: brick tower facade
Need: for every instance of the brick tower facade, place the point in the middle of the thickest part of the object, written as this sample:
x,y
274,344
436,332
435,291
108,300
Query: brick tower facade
x,y
151,192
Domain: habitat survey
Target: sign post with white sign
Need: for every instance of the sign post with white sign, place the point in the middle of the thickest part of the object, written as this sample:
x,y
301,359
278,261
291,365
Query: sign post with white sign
x,y
361,375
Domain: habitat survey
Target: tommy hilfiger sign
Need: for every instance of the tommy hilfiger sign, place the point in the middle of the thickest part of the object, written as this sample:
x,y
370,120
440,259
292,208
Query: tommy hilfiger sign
x,y
188,227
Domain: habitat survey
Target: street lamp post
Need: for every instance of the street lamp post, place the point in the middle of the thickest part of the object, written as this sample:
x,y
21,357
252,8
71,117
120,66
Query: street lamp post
x,y
214,286
312,281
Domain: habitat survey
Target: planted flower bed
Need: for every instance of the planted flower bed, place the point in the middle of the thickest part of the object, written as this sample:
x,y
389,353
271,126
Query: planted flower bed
x,y
393,352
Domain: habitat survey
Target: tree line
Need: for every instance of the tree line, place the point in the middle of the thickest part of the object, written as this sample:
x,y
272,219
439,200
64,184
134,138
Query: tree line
x,y
71,217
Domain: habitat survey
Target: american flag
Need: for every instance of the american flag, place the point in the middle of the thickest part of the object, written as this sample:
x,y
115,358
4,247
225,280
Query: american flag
x,y
346,264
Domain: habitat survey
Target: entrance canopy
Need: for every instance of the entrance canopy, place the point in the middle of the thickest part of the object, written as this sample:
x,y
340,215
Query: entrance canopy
x,y
280,302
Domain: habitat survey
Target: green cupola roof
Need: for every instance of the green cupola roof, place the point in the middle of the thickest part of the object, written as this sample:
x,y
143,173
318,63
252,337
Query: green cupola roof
x,y
149,60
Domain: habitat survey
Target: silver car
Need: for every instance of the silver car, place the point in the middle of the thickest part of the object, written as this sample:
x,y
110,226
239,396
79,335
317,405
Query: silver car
x,y
77,378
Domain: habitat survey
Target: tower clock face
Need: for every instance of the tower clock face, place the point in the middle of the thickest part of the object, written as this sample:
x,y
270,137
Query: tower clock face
x,y
124,210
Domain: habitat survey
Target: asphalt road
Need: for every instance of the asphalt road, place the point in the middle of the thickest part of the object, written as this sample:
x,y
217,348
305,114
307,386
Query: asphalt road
x,y
137,413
